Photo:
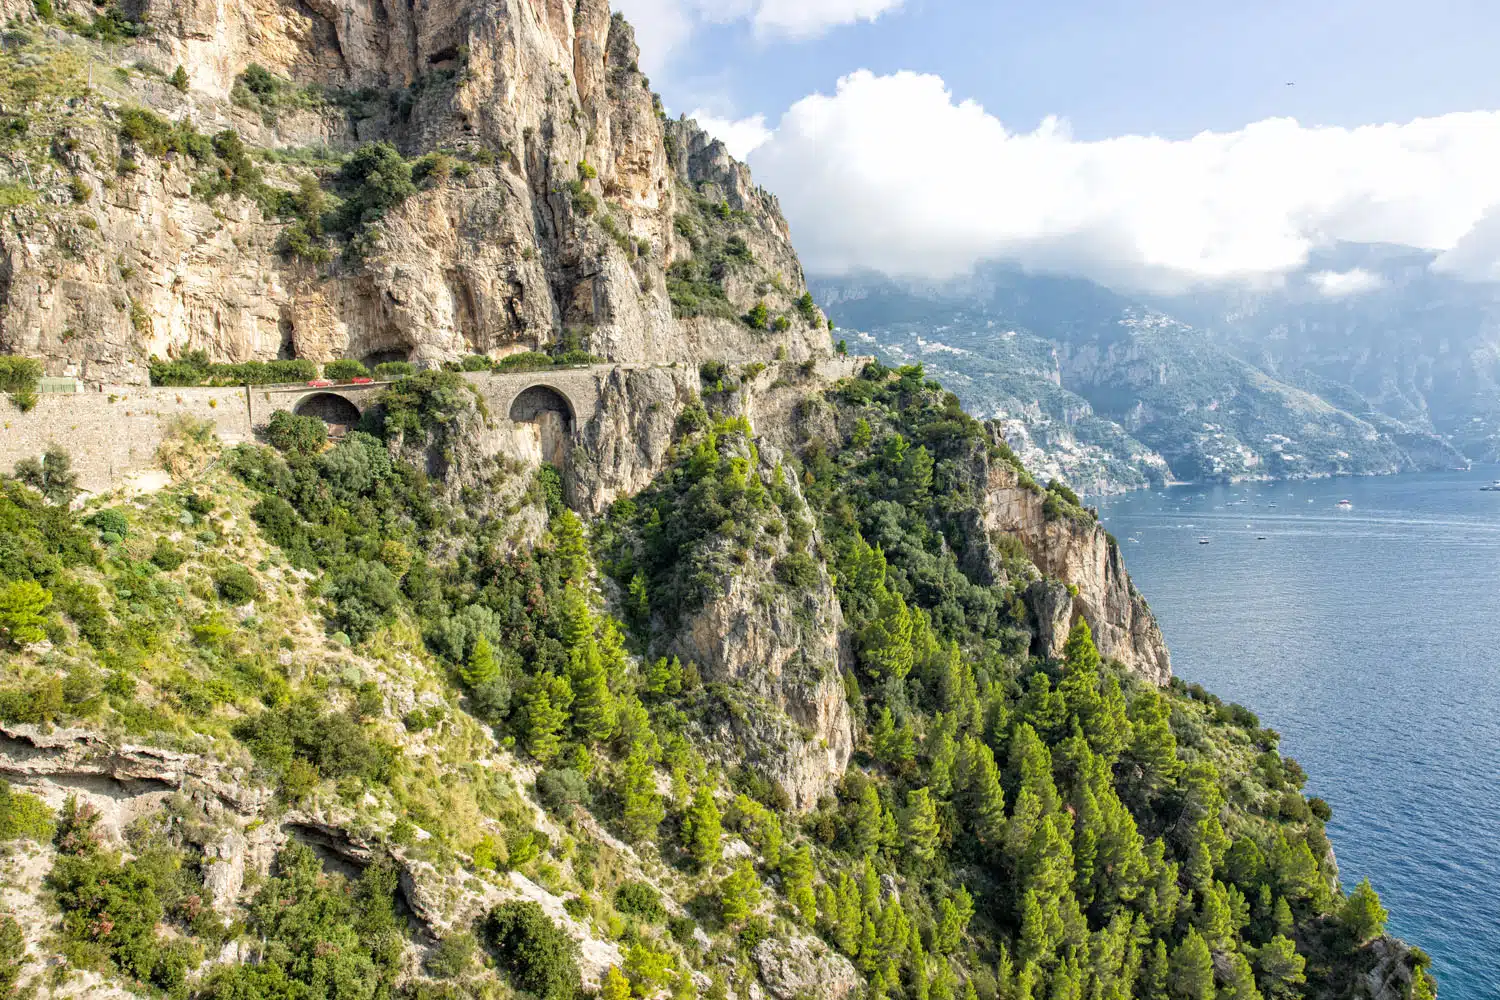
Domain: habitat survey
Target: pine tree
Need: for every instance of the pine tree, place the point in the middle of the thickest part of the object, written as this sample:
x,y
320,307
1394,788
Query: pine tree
x,y
1152,753
572,551
1281,968
179,78
1154,973
1282,917
893,745
1363,914
702,830
1191,976
1215,922
919,829
593,705
641,807
739,893
664,677
1423,986
576,619
615,985
1239,981
638,603
545,713
954,914
865,824
797,882
1079,652
1031,764
481,668
983,797
885,643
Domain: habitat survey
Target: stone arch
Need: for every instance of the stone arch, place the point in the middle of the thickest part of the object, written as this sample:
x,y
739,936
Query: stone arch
x,y
338,413
530,403
551,413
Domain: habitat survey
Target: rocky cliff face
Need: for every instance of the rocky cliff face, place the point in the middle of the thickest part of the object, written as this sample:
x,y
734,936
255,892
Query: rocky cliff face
x,y
556,215
1087,577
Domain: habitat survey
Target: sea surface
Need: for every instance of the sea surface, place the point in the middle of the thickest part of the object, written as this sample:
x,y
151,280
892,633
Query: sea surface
x,y
1370,639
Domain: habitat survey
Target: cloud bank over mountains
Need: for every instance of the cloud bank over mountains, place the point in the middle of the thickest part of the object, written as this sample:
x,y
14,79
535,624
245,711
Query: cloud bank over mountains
x,y
895,174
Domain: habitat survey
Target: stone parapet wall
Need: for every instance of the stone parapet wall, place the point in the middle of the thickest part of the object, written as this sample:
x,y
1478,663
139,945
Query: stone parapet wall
x,y
116,430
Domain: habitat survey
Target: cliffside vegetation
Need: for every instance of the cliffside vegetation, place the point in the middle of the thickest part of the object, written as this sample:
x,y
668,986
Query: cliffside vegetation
x,y
415,670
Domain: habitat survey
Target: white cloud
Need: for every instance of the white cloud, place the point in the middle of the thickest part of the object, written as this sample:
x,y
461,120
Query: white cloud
x,y
893,173
1476,256
802,19
1341,284
740,137
663,26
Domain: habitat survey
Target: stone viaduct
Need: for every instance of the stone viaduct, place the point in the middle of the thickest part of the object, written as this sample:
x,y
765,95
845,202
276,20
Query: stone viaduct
x,y
517,396
113,431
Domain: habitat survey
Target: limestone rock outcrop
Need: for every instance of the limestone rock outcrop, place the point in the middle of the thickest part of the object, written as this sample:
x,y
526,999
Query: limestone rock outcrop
x,y
559,222
1083,556
802,966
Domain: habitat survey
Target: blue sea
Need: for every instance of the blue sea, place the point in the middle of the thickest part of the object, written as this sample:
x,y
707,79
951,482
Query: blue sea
x,y
1370,639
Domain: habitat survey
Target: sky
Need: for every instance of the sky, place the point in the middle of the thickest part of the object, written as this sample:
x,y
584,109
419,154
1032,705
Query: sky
x,y
1151,144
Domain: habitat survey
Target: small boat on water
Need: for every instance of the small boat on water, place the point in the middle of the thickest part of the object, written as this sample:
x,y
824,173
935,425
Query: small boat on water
x,y
1203,541
1345,505
1260,538
1491,488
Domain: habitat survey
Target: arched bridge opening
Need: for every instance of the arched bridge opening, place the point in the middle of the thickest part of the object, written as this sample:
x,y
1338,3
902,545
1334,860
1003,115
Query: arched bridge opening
x,y
551,412
530,404
338,413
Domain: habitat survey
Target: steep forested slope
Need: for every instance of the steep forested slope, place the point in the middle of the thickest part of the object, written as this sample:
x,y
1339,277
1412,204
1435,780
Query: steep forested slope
x,y
481,713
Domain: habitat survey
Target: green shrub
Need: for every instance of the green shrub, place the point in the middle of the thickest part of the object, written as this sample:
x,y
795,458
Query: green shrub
x,y
639,899
389,371
109,522
291,434
12,938
807,307
179,78
798,570
375,180
167,556
20,377
236,585
426,400
560,789
540,957
345,369
524,362
23,816
331,742
757,317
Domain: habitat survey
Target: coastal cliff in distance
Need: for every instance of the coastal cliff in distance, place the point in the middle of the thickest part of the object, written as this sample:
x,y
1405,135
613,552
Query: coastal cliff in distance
x,y
592,625
1111,391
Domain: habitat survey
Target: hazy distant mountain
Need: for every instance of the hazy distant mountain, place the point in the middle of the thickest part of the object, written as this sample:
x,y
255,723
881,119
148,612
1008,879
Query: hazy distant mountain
x,y
1365,362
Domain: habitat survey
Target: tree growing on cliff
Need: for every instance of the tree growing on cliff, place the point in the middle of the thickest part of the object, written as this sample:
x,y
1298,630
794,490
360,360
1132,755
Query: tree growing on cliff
x,y
1362,913
702,829
641,809
739,893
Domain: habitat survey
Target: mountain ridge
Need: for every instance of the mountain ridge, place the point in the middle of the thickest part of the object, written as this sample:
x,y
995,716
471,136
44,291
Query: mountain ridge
x,y
1137,396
